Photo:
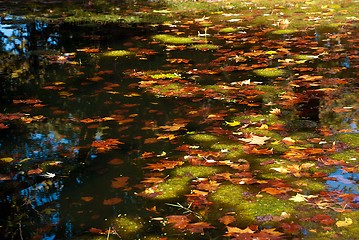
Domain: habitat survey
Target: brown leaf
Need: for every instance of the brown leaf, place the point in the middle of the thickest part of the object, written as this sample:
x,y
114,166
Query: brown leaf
x,y
178,221
87,198
112,201
227,219
34,171
119,182
198,227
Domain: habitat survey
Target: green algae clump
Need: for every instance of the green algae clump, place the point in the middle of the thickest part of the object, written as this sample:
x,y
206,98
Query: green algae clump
x,y
237,198
195,171
205,47
127,227
269,72
227,30
166,38
172,188
118,53
350,139
284,31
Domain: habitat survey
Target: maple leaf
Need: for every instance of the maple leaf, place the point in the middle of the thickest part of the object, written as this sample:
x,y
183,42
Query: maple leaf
x,y
178,221
254,139
119,182
227,219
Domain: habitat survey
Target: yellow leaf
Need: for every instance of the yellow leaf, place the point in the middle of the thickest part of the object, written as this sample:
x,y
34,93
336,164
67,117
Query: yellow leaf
x,y
6,159
234,123
281,169
345,223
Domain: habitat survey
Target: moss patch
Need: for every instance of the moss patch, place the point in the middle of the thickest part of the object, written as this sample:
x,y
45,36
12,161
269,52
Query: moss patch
x,y
350,156
166,38
118,53
351,140
173,188
204,47
127,226
195,171
284,31
228,30
270,72
234,197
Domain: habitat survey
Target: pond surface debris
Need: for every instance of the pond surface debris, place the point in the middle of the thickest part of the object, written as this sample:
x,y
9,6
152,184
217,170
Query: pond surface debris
x,y
179,120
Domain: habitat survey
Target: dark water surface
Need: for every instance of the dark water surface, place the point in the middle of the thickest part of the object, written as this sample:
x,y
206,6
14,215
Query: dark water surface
x,y
61,98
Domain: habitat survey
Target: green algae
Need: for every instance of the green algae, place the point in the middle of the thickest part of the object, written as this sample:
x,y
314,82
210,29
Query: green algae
x,y
166,38
284,31
205,47
271,93
349,232
127,227
309,186
165,76
350,139
118,53
204,138
173,188
349,156
305,57
195,171
228,30
270,72
235,197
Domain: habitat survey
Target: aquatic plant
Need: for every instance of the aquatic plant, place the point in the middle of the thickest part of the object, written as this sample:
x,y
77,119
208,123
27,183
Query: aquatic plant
x,y
270,72
170,39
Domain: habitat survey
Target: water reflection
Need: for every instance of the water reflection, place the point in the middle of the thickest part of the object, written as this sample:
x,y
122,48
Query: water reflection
x,y
80,109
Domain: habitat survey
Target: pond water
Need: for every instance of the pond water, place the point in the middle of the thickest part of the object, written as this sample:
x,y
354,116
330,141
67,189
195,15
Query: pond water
x,y
192,131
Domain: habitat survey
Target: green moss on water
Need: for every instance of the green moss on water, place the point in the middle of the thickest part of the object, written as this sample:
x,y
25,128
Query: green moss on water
x,y
166,38
227,30
349,232
118,53
351,139
270,72
268,119
284,31
195,171
204,138
231,197
127,227
305,57
204,47
349,156
271,93
173,188
309,186
165,76
172,89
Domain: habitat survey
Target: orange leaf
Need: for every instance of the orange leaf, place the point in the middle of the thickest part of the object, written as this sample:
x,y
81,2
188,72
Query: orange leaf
x,y
119,182
227,219
34,171
112,201
87,199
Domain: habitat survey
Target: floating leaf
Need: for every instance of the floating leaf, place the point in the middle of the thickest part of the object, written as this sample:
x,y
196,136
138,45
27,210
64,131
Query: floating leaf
x,y
112,201
344,223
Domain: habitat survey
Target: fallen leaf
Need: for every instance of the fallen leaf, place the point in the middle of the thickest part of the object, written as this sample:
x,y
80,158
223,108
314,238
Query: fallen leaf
x,y
227,219
112,201
345,223
254,139
87,198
